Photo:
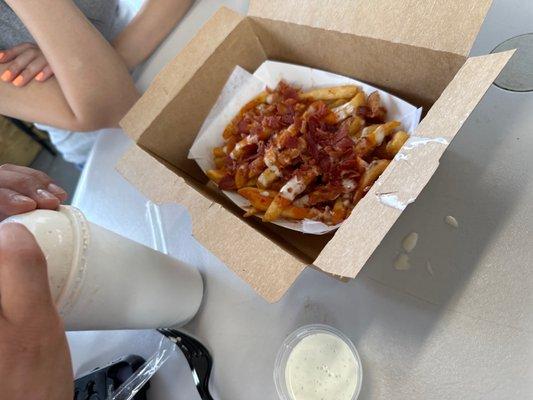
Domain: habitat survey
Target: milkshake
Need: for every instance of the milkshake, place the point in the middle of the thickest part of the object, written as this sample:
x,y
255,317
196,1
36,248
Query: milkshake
x,y
100,280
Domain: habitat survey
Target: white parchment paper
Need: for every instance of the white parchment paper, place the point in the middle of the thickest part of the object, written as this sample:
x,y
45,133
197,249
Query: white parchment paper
x,y
242,87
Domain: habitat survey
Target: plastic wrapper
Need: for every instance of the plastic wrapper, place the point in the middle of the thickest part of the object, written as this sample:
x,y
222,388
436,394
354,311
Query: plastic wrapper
x,y
135,382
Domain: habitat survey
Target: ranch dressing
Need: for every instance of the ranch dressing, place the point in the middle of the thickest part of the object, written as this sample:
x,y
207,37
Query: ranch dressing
x,y
321,367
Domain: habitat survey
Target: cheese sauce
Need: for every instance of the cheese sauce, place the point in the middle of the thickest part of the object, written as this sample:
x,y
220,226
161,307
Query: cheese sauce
x,y
321,367
349,184
270,162
292,188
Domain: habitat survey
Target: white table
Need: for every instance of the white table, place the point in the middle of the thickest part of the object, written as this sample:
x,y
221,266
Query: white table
x,y
465,332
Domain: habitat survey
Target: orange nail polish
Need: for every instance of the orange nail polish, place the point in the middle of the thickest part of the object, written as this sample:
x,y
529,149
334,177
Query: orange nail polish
x,y
6,76
40,76
18,81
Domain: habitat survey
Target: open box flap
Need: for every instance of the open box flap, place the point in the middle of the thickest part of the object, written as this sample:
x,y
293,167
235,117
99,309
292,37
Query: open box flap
x,y
450,26
167,118
265,266
176,74
411,169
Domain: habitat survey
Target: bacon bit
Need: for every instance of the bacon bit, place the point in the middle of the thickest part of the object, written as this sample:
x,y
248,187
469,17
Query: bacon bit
x,y
249,152
373,113
243,125
363,111
286,91
328,193
272,122
291,142
256,129
227,183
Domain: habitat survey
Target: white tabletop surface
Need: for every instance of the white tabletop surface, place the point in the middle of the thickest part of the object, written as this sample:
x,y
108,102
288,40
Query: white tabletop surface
x,y
463,332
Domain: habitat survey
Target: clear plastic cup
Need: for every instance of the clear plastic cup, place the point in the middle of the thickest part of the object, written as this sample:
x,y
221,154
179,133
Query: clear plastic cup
x,y
293,340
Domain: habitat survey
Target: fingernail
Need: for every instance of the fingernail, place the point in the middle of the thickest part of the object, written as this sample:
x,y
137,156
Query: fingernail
x,y
46,195
18,81
6,76
2,55
56,189
40,76
20,199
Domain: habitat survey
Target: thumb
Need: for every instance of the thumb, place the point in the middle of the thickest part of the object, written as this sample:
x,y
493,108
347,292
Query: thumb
x,y
24,287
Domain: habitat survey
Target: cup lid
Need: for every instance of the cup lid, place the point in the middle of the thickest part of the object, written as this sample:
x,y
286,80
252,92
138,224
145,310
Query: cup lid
x,y
59,235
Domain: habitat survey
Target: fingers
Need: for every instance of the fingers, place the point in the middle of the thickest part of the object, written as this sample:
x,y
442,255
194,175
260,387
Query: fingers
x,y
30,187
11,74
57,191
45,74
10,54
24,288
13,203
26,63
40,177
32,70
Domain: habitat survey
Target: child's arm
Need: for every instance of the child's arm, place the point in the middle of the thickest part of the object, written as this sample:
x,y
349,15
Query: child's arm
x,y
148,29
92,87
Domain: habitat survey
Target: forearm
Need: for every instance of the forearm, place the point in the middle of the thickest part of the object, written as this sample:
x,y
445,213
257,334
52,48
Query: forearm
x,y
148,29
92,76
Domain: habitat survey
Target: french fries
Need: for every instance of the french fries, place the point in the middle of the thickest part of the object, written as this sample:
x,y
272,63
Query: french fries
x,y
311,155
295,186
241,176
262,199
266,179
340,113
220,161
332,93
215,175
373,136
337,103
396,143
372,173
339,212
355,126
219,152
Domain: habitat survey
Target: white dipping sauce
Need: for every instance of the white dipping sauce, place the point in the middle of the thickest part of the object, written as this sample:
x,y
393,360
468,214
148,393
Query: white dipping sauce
x,y
321,367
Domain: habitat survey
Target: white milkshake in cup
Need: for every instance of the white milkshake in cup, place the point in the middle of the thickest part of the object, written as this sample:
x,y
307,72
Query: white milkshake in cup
x,y
100,280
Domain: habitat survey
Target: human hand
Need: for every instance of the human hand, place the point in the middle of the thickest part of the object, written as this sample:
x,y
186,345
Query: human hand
x,y
26,62
34,356
24,189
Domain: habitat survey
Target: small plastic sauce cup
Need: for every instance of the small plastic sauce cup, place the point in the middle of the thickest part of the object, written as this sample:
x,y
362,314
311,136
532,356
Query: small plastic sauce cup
x,y
290,344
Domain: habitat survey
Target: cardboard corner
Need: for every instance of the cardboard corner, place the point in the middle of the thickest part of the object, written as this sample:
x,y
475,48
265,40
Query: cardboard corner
x,y
274,270
448,26
442,122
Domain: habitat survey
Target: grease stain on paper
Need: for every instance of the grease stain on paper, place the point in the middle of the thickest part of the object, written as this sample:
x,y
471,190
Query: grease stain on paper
x,y
409,242
402,262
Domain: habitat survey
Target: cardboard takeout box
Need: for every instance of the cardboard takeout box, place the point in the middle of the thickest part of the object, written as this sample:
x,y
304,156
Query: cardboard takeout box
x,y
415,50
